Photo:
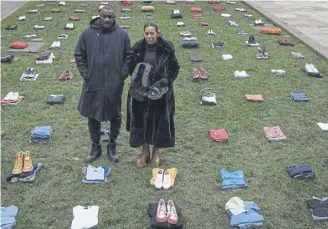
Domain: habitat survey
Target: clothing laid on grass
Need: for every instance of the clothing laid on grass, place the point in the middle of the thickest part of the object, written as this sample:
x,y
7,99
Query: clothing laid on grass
x,y
299,97
232,180
218,135
319,208
41,133
85,217
95,175
243,214
24,177
163,178
154,224
12,98
152,121
56,99
8,217
302,171
274,133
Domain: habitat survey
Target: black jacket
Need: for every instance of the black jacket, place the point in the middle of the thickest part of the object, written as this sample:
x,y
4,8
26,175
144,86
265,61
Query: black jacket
x,y
102,57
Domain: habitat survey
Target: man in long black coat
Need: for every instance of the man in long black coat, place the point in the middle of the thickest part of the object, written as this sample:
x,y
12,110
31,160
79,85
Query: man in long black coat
x,y
102,56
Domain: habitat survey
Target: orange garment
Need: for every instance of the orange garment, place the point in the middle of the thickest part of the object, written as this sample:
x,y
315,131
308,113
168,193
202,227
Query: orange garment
x,y
271,30
173,175
255,98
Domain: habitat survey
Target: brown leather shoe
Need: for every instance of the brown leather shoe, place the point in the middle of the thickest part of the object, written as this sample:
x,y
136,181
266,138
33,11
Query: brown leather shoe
x,y
155,159
144,157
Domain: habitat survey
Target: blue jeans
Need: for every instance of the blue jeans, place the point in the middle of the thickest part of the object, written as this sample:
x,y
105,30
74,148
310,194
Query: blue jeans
x,y
8,215
232,179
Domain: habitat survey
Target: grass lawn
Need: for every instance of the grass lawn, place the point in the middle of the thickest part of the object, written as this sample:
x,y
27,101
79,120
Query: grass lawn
x,y
123,201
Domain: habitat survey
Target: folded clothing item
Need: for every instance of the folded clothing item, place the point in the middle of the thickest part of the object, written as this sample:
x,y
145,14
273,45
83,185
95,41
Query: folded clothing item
x,y
300,171
55,10
126,3
44,55
65,76
213,1
7,59
271,30
274,133
41,133
232,180
96,175
218,44
196,58
323,126
258,23
254,98
207,97
19,45
26,177
126,10
242,33
185,34
56,99
196,9
299,97
218,8
233,24
226,15
203,24
74,18
181,24
218,135
104,135
240,74
170,2
29,75
319,208
243,214
190,43
12,98
147,8
197,16
49,60
226,57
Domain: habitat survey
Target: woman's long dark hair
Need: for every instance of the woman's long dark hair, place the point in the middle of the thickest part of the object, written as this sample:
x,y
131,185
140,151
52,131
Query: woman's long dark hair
x,y
151,24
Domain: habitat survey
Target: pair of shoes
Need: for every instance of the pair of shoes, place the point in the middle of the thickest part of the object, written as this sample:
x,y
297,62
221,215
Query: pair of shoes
x,y
23,163
210,32
166,212
201,74
163,179
65,76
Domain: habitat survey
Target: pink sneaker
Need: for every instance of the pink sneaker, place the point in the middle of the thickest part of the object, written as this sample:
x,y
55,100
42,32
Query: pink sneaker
x,y
203,74
195,75
172,216
161,211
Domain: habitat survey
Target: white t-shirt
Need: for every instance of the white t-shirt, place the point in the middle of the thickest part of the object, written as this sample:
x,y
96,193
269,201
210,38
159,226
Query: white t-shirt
x,y
85,217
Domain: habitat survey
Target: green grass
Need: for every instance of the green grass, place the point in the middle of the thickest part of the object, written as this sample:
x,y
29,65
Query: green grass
x,y
123,201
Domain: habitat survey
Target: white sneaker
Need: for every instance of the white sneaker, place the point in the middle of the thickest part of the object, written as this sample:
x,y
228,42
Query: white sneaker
x,y
39,27
226,57
176,12
166,179
308,68
314,69
158,183
185,34
233,24
69,26
240,9
278,72
62,3
226,15
22,18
